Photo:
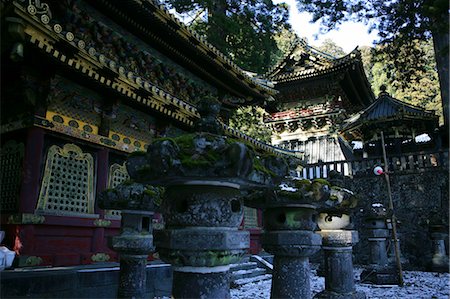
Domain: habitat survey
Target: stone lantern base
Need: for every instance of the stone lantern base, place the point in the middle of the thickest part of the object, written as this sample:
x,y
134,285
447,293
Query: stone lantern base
x,y
380,275
339,277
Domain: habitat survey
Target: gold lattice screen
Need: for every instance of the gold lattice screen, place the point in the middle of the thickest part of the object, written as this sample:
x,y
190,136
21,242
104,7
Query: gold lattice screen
x,y
11,159
250,218
117,174
68,183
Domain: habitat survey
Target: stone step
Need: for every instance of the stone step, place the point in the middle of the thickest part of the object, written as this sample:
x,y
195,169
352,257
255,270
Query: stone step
x,y
240,274
239,282
243,266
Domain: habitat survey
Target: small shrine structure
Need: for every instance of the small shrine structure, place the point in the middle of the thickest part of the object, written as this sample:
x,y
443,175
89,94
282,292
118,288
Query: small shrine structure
x,y
401,124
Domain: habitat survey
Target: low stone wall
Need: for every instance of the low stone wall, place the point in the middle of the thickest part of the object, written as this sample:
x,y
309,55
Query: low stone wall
x,y
419,197
91,281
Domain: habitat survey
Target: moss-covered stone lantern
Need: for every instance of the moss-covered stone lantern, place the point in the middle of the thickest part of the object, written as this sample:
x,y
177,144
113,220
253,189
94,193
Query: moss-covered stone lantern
x,y
205,176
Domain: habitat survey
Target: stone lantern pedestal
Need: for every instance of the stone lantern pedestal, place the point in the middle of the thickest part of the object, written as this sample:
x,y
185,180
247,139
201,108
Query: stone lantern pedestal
x,y
339,279
439,261
135,241
134,244
380,271
289,236
201,238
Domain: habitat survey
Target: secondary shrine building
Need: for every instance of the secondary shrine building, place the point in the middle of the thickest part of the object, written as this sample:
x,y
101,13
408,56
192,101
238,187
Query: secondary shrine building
x,y
85,83
317,92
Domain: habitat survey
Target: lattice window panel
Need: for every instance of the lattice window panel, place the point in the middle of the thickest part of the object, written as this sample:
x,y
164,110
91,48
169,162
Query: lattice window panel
x,y
68,184
250,218
11,159
117,175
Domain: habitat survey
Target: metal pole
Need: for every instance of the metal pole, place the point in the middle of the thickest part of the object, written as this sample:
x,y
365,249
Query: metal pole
x,y
393,218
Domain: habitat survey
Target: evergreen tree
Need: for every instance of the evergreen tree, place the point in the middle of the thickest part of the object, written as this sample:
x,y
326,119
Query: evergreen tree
x,y
399,23
414,80
244,30
250,120
330,47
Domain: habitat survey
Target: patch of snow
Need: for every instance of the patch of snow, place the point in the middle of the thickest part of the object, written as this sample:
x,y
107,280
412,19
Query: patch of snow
x,y
418,285
285,187
377,205
422,138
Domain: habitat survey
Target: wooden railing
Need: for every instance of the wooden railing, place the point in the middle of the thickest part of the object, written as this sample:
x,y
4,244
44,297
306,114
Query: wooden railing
x,y
414,162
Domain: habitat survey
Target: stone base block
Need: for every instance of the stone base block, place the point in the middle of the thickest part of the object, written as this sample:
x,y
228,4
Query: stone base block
x,y
380,275
439,263
202,239
339,238
203,283
333,295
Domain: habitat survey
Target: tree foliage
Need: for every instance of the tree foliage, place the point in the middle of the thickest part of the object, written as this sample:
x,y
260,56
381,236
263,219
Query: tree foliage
x,y
330,47
414,81
399,22
250,120
244,30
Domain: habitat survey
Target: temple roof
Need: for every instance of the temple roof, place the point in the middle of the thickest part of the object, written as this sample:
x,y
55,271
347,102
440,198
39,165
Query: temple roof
x,y
301,60
168,34
73,38
309,72
386,111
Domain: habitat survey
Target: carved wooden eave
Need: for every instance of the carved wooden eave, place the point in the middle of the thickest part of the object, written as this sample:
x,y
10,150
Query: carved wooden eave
x,y
56,43
69,51
296,57
154,23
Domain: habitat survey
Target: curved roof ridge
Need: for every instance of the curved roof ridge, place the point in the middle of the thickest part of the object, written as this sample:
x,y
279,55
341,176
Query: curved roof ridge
x,y
166,14
321,53
288,53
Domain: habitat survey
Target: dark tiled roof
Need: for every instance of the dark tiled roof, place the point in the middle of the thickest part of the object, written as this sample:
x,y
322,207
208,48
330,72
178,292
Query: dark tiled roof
x,y
304,61
388,107
385,109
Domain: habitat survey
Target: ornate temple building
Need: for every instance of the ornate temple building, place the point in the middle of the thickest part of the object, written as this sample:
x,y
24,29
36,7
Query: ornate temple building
x,y
317,92
85,83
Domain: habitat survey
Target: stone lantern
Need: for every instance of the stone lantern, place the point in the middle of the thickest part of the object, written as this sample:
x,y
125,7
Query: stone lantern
x,y
135,241
338,239
205,176
439,261
289,224
380,271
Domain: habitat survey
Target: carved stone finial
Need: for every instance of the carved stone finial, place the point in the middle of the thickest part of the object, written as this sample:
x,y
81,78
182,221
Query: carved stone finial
x,y
209,108
383,91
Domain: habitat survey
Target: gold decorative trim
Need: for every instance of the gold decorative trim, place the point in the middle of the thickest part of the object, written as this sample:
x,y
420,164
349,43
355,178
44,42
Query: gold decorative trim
x,y
102,223
100,257
117,174
32,261
51,125
25,218
88,62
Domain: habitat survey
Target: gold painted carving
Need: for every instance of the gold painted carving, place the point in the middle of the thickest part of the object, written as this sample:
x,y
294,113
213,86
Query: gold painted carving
x,y
25,218
100,257
33,261
102,223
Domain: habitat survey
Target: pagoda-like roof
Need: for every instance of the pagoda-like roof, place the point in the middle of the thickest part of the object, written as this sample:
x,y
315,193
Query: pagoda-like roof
x,y
301,61
387,112
306,68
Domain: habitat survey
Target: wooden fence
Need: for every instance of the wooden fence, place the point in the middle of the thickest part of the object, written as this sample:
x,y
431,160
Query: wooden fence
x,y
414,162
